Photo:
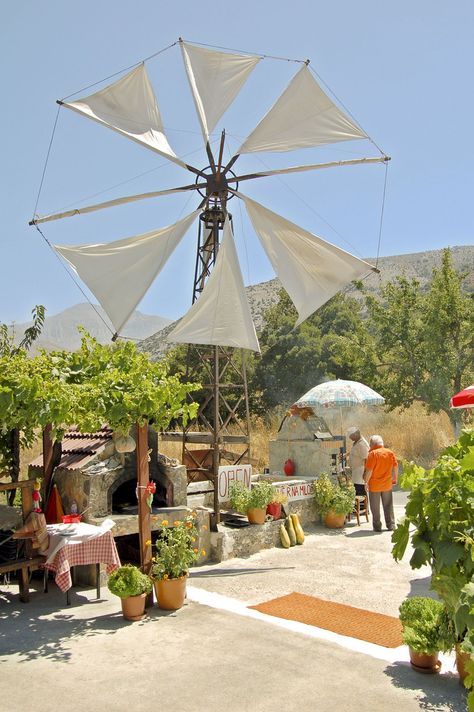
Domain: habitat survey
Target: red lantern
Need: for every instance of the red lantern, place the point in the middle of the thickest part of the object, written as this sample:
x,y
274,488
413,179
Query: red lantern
x,y
289,468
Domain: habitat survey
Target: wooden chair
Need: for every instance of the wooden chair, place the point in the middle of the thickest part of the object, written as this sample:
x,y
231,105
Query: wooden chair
x,y
361,507
28,563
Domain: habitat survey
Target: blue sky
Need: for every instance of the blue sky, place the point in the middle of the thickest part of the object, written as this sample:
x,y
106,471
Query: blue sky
x,y
403,69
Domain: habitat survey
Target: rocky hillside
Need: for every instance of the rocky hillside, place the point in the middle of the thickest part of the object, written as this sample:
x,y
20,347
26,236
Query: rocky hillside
x,y
418,265
60,330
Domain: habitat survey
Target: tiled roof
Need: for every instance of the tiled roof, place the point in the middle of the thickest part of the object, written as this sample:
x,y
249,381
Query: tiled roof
x,y
77,449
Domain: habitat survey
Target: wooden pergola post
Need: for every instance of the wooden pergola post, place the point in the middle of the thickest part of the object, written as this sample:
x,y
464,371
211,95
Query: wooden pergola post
x,y
144,514
48,451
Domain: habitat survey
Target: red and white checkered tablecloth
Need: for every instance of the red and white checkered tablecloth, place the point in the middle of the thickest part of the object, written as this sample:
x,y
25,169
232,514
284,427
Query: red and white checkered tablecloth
x,y
100,550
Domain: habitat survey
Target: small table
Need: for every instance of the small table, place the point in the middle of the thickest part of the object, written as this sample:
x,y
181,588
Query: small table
x,y
97,549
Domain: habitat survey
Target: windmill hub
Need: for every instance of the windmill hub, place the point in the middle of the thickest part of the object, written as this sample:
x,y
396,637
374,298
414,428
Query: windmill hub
x,y
216,184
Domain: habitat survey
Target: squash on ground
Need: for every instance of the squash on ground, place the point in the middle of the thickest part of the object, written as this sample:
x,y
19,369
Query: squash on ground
x,y
298,528
284,538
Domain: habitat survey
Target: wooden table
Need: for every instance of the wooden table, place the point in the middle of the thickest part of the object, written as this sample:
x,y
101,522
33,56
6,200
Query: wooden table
x,y
98,550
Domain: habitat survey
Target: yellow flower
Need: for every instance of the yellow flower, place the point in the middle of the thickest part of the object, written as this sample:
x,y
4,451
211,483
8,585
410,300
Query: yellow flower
x,y
189,525
193,514
148,543
193,539
164,523
203,552
165,576
195,551
177,523
155,518
204,527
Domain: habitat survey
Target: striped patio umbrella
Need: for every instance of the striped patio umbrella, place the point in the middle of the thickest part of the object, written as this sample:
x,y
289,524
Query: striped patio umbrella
x,y
340,394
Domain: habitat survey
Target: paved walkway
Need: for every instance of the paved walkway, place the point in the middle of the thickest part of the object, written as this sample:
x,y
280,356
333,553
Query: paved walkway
x,y
215,653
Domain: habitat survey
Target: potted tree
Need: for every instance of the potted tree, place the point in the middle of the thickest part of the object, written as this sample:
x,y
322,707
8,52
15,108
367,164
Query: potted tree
x,y
426,631
333,501
176,551
132,587
274,507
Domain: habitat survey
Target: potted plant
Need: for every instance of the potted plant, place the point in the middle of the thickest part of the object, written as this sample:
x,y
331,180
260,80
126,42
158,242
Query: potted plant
x,y
176,551
426,631
274,507
333,501
132,587
252,502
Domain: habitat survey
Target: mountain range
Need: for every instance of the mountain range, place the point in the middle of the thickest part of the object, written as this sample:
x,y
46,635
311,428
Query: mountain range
x,y
60,330
417,265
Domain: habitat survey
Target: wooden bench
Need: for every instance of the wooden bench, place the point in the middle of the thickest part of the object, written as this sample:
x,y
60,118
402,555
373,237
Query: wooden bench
x,y
25,567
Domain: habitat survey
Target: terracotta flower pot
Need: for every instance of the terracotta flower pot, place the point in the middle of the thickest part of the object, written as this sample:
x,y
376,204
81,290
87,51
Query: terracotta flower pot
x,y
274,509
133,607
170,593
461,660
334,521
256,516
424,662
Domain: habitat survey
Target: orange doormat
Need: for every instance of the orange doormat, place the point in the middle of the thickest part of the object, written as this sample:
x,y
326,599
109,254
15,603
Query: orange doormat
x,y
345,620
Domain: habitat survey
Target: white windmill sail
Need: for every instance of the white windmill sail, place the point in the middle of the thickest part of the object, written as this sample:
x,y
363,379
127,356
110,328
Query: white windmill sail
x,y
221,316
119,273
302,117
129,107
310,269
215,79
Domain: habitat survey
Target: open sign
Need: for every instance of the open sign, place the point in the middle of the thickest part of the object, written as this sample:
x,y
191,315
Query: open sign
x,y
232,473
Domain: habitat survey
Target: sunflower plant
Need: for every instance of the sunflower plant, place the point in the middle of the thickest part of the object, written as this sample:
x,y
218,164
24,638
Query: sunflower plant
x,y
175,548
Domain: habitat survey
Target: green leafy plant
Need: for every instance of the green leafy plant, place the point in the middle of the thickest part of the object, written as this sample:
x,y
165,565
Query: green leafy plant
x,y
242,498
128,581
331,497
439,520
425,625
176,548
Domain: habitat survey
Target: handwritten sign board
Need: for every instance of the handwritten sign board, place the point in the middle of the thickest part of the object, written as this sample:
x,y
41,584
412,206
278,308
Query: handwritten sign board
x,y
232,473
295,490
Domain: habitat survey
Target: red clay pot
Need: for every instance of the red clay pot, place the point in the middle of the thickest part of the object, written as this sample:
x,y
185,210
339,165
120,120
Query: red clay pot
x,y
289,468
274,509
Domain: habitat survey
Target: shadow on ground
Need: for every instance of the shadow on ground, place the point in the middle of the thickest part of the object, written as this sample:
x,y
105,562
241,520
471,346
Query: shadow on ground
x,y
433,692
209,573
46,632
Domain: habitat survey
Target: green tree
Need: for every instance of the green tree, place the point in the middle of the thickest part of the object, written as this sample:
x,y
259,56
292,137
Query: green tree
x,y
332,343
423,339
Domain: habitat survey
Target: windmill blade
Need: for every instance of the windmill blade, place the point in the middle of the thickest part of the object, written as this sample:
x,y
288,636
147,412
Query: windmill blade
x,y
221,316
215,79
313,167
302,117
310,269
111,203
129,107
119,273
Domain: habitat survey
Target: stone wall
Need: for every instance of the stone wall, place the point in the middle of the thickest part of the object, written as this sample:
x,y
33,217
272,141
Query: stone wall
x,y
229,543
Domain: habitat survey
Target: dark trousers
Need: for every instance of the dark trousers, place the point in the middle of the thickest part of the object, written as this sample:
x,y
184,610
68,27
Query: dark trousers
x,y
387,503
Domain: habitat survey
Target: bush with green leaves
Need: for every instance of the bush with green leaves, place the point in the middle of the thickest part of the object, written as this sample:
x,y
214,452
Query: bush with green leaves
x,y
242,498
128,581
331,497
439,520
425,625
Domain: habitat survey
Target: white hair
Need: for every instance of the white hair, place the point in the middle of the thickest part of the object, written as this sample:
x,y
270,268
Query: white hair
x,y
376,440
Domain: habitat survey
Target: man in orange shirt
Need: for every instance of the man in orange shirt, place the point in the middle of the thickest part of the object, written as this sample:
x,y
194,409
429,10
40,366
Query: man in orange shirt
x,y
381,470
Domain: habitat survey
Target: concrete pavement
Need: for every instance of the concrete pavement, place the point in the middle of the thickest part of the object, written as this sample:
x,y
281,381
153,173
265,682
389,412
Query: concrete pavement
x,y
215,652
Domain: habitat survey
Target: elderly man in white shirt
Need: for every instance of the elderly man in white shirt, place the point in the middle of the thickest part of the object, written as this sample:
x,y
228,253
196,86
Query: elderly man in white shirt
x,y
357,458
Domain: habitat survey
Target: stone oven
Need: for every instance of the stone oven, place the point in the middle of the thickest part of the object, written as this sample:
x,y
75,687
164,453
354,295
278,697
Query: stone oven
x,y
102,482
306,439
